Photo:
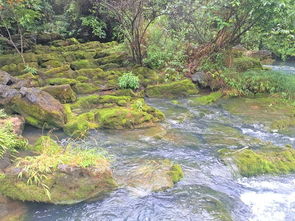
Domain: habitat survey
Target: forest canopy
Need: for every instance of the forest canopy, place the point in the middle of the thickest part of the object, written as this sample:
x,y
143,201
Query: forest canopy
x,y
156,32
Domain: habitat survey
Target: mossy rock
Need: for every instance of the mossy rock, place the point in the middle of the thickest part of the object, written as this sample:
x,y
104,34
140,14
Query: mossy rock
x,y
243,64
61,81
112,112
156,175
63,176
85,88
207,99
52,72
51,64
172,90
121,118
63,93
82,64
268,160
92,74
117,58
38,108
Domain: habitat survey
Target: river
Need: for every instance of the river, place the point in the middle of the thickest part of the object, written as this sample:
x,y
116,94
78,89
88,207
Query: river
x,y
209,191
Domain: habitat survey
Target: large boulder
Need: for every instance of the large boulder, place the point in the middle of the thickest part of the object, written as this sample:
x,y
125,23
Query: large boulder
x,y
57,175
39,108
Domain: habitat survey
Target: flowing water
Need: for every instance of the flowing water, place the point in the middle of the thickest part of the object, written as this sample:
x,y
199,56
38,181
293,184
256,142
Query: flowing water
x,y
191,136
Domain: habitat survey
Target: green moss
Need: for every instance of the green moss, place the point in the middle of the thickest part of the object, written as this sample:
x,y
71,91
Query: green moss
x,y
51,64
78,126
57,70
243,64
176,173
46,145
174,89
82,79
81,64
147,76
208,99
116,58
120,118
273,160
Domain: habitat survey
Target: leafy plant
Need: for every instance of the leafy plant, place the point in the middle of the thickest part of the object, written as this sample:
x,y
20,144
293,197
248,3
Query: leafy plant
x,y
98,27
31,70
139,104
129,81
9,141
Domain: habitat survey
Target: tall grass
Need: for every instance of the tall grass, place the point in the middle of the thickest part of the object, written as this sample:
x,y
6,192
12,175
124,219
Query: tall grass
x,y
253,82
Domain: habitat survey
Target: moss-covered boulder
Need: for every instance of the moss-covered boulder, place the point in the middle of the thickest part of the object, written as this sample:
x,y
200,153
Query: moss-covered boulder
x,y
112,112
170,90
156,175
57,175
268,160
82,64
39,108
63,93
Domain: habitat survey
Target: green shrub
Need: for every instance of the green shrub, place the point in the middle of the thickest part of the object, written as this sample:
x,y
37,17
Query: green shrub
x,y
163,49
129,81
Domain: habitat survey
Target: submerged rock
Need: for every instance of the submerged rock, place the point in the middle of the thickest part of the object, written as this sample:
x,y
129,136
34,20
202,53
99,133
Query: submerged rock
x,y
170,90
152,176
57,175
273,112
11,210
